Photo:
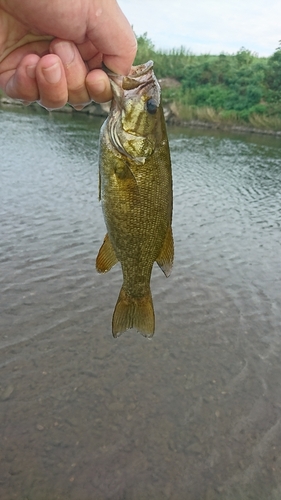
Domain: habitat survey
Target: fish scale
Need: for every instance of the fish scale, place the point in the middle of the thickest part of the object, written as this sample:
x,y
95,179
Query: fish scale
x,y
136,194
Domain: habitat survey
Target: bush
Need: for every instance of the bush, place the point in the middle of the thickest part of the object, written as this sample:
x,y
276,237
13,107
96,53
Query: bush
x,y
239,86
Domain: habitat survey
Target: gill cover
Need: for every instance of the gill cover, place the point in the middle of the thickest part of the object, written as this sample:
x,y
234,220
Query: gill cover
x,y
133,124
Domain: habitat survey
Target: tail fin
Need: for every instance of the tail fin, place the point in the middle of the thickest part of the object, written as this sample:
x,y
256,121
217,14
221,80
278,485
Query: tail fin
x,y
132,312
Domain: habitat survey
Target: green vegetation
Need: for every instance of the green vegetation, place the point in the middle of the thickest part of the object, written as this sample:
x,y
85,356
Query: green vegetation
x,y
241,89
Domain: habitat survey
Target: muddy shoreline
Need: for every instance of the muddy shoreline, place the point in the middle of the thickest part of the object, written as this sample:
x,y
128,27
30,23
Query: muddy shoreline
x,y
101,110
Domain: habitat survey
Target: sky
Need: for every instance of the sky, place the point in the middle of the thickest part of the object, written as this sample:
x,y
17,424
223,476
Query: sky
x,y
208,26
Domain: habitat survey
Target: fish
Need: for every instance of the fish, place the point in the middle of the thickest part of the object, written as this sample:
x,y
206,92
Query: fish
x,y
135,188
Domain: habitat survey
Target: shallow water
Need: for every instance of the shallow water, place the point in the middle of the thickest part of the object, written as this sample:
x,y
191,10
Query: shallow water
x,y
194,413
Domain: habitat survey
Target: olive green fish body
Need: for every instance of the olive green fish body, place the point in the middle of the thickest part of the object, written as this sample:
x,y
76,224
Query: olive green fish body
x,y
136,194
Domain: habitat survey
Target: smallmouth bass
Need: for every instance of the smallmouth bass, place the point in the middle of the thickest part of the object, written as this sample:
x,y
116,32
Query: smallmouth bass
x,y
136,194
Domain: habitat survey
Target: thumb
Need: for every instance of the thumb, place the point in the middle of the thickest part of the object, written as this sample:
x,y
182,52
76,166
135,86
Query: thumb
x,y
111,33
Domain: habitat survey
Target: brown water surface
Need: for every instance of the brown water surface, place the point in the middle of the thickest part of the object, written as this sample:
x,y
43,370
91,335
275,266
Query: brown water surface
x,y
194,413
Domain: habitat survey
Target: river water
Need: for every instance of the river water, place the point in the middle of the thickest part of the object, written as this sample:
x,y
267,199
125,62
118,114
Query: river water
x,y
194,413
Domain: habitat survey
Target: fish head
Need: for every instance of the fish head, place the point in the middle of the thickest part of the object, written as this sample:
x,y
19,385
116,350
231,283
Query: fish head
x,y
135,122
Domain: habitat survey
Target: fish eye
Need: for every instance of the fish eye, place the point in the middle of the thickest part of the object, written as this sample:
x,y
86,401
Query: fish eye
x,y
151,106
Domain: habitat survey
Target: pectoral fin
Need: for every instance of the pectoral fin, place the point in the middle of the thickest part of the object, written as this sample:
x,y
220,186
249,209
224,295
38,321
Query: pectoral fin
x,y
166,257
106,257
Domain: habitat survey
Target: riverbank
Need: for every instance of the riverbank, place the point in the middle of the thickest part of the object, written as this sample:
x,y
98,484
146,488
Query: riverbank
x,y
227,91
235,92
92,109
171,114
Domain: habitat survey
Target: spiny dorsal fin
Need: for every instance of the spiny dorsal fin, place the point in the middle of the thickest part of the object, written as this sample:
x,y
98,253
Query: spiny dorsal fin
x,y
106,257
166,257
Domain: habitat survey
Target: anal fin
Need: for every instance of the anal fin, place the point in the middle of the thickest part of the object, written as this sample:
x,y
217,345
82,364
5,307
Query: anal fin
x,y
106,257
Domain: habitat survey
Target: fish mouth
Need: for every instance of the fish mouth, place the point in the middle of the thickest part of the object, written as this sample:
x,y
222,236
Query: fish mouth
x,y
139,76
135,72
141,70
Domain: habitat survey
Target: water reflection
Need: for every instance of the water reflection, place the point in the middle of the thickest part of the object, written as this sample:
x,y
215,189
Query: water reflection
x,y
195,412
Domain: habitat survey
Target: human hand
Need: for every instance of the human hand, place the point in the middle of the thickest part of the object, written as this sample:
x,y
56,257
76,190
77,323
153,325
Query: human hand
x,y
52,51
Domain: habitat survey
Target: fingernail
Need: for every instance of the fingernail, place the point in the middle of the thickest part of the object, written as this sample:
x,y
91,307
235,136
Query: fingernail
x,y
80,106
65,51
25,103
52,74
30,71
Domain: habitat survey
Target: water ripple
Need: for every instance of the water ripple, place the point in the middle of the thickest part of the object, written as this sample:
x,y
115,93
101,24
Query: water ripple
x,y
197,408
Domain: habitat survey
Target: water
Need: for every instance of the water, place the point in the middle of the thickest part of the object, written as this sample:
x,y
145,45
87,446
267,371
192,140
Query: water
x,y
194,413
